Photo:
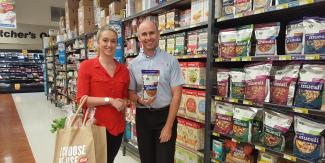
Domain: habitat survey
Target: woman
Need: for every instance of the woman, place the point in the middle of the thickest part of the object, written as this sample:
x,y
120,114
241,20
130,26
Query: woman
x,y
106,82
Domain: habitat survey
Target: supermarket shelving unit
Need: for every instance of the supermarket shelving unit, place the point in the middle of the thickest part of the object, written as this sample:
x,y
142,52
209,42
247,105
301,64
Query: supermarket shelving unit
x,y
21,71
282,13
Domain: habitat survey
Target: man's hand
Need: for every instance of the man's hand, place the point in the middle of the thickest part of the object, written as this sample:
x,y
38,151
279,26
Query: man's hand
x,y
146,102
119,104
165,134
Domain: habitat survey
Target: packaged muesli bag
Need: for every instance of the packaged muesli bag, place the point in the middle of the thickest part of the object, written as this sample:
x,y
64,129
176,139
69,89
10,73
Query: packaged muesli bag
x,y
276,125
243,40
314,38
266,35
257,82
227,43
243,6
222,82
237,83
243,123
150,83
294,37
228,7
224,118
308,141
283,83
310,89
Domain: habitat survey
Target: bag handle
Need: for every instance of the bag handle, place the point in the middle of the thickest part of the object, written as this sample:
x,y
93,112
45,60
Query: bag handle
x,y
82,102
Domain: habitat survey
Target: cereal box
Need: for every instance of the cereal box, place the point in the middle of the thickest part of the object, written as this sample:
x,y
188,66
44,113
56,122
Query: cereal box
x,y
162,22
201,105
192,38
171,44
191,103
197,11
196,73
184,68
190,134
162,43
185,156
172,19
180,43
202,42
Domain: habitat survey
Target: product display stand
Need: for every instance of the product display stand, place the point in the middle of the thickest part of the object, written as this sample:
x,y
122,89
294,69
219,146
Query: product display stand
x,y
21,71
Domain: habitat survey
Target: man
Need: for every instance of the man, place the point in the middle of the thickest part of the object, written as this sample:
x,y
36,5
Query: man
x,y
156,122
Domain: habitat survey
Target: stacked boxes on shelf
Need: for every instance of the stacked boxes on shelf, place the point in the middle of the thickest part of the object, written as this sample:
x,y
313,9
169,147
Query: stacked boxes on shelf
x,y
86,17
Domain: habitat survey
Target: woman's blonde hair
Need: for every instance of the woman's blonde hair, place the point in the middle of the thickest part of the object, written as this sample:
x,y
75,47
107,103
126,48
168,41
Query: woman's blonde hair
x,y
103,29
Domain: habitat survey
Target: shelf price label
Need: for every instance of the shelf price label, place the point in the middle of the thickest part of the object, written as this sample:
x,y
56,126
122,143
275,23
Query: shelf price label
x,y
284,57
17,86
246,59
260,148
219,59
235,59
216,134
233,100
291,158
304,2
312,57
24,51
282,6
301,110
247,102
258,11
218,98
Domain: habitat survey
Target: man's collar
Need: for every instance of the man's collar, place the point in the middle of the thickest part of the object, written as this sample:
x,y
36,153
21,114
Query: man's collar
x,y
154,54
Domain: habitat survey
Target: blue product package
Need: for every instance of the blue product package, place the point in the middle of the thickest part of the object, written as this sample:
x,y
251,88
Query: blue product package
x,y
314,35
310,89
308,142
217,148
128,131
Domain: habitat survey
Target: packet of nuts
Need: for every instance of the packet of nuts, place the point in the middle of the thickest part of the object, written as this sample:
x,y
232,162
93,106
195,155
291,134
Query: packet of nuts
x,y
227,43
257,82
243,40
310,90
150,83
266,35
243,6
294,37
283,83
314,35
237,83
222,82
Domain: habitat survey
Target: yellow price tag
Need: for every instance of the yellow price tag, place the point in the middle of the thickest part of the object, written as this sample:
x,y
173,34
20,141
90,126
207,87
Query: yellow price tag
x,y
312,57
24,52
304,2
282,6
17,87
235,59
216,134
202,87
234,140
258,11
301,110
260,148
246,59
246,102
291,158
233,100
239,15
218,98
285,57
216,161
221,19
219,59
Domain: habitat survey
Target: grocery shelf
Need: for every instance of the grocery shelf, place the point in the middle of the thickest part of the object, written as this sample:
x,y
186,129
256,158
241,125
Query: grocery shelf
x,y
273,13
198,152
191,118
274,58
314,112
194,86
185,28
180,57
237,101
267,150
160,8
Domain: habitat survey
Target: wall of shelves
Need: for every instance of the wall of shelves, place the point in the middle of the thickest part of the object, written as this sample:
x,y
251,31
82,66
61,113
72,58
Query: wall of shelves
x,y
21,71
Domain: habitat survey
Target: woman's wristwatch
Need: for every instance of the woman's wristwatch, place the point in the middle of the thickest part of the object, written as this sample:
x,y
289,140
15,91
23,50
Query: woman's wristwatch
x,y
107,100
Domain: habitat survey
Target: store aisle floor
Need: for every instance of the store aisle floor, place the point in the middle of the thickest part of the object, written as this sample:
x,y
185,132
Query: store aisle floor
x,y
36,114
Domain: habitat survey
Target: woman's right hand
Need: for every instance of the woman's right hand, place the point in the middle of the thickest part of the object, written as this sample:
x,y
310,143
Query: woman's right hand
x,y
119,104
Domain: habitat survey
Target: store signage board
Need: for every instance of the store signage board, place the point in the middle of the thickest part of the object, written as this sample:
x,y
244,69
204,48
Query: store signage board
x,y
7,14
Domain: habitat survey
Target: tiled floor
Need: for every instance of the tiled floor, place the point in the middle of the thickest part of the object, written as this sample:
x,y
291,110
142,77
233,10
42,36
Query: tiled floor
x,y
36,114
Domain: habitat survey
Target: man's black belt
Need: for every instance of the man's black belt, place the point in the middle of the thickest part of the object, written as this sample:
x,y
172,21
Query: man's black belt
x,y
154,109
